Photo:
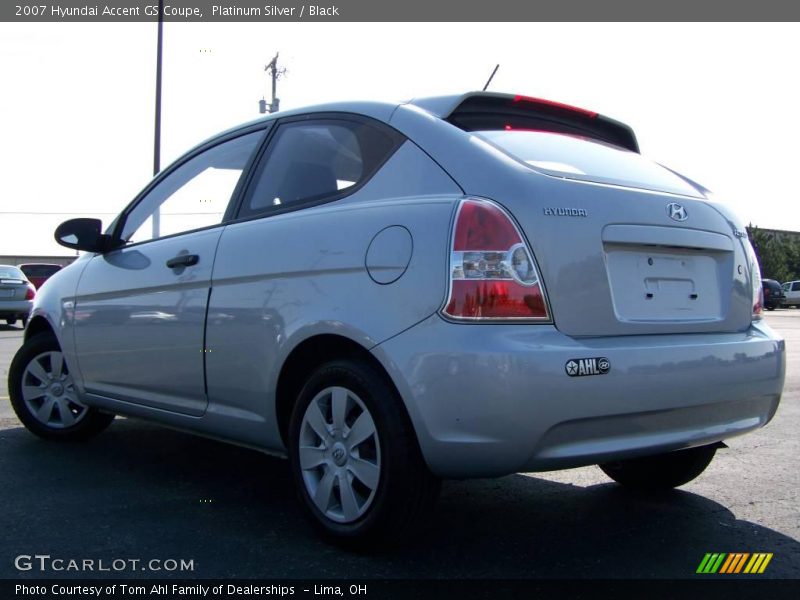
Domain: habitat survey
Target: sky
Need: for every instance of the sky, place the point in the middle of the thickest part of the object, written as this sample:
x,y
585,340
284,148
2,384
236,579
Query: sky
x,y
716,102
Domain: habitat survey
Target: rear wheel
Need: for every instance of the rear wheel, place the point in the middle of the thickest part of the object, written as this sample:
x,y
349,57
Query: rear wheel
x,y
355,459
663,471
43,393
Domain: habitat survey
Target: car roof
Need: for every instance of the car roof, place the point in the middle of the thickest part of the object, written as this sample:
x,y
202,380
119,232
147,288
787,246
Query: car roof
x,y
381,111
451,108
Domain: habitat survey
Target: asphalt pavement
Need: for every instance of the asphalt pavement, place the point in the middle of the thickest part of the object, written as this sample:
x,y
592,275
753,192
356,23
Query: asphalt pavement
x,y
143,493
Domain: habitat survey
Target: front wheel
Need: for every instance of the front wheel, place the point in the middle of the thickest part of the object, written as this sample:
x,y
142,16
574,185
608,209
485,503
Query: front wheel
x,y
355,459
663,471
43,393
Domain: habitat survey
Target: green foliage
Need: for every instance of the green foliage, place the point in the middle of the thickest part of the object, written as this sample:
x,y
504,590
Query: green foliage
x,y
778,256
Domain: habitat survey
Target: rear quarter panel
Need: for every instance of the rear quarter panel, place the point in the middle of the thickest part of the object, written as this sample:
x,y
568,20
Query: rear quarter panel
x,y
281,279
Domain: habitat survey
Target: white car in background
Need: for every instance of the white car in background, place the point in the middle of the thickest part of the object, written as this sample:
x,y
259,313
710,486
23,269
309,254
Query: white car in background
x,y
792,291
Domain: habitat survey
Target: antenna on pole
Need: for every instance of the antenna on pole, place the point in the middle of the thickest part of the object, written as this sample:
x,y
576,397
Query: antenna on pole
x,y
274,73
491,77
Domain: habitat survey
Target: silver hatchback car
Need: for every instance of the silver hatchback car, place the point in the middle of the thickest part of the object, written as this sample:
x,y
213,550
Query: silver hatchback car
x,y
391,294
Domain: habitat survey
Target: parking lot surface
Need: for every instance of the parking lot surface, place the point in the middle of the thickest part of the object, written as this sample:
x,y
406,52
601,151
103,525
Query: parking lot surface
x,y
141,492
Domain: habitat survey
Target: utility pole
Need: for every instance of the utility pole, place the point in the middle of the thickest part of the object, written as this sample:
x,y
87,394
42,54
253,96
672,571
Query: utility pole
x,y
157,134
274,73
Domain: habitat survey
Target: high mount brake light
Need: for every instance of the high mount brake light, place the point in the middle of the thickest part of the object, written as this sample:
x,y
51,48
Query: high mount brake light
x,y
492,273
556,105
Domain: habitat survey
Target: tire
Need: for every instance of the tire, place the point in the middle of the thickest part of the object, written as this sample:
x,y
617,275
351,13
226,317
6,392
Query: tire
x,y
43,394
387,488
663,471
24,322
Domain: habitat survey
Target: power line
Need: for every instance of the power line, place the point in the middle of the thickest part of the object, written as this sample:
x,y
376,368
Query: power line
x,y
21,212
94,214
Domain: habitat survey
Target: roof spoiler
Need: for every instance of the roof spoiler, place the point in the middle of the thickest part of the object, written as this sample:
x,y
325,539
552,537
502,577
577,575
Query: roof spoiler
x,y
487,110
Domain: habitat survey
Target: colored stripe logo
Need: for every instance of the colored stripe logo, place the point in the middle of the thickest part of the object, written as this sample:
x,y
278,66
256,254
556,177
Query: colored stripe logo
x,y
734,562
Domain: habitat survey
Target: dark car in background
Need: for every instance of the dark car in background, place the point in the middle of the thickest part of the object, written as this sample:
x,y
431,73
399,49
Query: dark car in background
x,y
773,294
38,273
16,295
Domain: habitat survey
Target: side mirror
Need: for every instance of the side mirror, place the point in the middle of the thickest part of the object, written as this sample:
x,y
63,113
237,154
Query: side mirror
x,y
82,234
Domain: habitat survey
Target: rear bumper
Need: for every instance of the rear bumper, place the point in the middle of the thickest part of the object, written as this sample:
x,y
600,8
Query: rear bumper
x,y
15,309
489,400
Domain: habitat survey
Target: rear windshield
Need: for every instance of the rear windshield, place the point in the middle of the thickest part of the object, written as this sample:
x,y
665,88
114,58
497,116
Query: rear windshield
x,y
11,273
39,270
575,157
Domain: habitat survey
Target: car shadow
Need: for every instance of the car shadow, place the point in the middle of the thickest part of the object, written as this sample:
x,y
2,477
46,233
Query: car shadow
x,y
141,491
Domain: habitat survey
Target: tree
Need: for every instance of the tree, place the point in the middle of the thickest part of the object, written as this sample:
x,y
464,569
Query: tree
x,y
792,259
779,258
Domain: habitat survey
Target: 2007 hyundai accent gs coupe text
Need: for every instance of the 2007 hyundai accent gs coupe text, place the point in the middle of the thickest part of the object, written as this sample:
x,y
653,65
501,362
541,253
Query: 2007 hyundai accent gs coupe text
x,y
463,286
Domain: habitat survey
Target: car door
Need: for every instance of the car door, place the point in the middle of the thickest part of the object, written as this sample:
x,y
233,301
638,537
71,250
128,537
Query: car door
x,y
793,293
140,309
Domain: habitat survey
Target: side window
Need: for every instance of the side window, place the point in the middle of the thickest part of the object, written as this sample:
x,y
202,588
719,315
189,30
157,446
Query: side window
x,y
796,286
315,161
193,196
785,287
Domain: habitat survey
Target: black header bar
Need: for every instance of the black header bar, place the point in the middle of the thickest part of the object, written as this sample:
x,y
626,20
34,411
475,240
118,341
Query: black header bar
x,y
273,11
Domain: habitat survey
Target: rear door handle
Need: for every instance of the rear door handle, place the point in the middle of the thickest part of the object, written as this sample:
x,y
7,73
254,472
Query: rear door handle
x,y
183,260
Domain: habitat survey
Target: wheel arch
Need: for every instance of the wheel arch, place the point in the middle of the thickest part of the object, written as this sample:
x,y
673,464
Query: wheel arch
x,y
309,355
38,324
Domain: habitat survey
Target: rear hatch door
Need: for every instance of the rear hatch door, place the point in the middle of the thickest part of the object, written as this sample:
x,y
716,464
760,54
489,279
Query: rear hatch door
x,y
624,245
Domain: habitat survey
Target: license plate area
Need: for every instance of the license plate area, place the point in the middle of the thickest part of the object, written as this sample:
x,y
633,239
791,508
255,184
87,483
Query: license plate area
x,y
6,293
650,283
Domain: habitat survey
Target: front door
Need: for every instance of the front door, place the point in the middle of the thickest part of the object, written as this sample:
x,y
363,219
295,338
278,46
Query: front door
x,y
140,310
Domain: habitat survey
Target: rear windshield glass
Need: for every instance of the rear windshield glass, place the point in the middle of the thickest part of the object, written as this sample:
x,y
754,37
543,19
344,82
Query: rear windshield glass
x,y
575,157
39,270
11,273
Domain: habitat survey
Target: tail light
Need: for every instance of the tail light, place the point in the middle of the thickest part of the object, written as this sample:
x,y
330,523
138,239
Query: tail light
x,y
492,272
31,293
755,280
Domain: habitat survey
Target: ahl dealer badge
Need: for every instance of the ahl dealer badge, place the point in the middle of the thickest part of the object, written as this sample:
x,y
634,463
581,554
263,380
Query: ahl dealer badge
x,y
583,367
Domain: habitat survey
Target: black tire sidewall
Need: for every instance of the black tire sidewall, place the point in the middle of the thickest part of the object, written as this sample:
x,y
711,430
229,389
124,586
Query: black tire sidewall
x,y
663,471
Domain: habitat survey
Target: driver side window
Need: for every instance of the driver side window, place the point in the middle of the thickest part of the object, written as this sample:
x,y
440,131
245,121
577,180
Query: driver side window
x,y
193,196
